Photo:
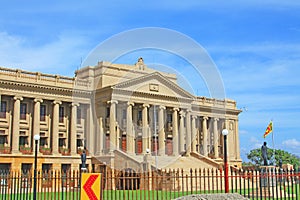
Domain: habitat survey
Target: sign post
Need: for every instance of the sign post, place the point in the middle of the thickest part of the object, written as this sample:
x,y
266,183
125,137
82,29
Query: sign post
x,y
91,186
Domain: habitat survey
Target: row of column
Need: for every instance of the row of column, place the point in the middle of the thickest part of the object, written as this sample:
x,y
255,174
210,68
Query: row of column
x,y
36,125
182,142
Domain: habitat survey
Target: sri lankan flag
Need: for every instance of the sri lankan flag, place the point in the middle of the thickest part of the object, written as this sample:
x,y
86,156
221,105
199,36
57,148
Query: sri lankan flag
x,y
269,129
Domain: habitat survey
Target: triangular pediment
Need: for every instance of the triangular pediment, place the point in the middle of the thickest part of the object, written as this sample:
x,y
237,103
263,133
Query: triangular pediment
x,y
155,84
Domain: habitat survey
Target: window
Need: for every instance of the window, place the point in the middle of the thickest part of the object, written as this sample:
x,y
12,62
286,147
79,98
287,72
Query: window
x,y
43,113
169,118
124,113
107,112
78,115
23,111
5,169
43,141
65,168
23,140
26,168
3,140
79,143
46,167
61,142
3,109
140,114
61,114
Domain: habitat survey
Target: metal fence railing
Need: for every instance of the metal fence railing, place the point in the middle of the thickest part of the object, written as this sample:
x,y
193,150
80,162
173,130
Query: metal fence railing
x,y
264,183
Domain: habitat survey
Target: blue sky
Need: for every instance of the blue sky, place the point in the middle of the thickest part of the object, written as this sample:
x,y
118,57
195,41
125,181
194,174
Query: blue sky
x,y
255,45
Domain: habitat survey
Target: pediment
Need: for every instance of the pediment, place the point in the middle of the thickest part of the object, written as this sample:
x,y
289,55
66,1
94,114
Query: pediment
x,y
155,84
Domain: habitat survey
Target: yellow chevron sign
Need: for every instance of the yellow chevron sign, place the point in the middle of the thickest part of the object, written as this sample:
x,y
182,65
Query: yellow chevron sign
x,y
90,186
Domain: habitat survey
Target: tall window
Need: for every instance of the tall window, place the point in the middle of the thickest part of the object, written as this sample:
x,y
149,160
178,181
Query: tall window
x,y
107,112
140,114
61,114
43,141
169,118
43,113
78,115
46,167
26,168
23,140
124,113
3,109
23,111
3,140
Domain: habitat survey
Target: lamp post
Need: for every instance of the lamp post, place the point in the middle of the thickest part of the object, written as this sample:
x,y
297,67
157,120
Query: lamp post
x,y
225,133
36,139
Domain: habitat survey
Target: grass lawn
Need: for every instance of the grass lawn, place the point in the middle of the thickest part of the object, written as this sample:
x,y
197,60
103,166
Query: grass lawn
x,y
146,194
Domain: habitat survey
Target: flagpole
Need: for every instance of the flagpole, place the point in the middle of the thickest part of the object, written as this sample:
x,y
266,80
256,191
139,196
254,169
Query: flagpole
x,y
273,143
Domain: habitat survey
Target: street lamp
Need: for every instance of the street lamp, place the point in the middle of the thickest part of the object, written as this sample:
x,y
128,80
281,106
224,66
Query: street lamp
x,y
225,133
36,139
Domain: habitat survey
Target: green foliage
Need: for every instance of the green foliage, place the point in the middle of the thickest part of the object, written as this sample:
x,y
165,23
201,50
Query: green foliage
x,y
287,158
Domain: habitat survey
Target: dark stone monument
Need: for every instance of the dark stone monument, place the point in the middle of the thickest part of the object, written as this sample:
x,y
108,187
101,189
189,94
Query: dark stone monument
x,y
264,153
83,161
266,173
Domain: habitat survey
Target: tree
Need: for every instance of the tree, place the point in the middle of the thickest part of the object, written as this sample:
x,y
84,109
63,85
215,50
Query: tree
x,y
287,158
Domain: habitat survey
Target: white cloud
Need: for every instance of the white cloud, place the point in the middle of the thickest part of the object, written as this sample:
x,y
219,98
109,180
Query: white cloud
x,y
291,143
254,143
59,56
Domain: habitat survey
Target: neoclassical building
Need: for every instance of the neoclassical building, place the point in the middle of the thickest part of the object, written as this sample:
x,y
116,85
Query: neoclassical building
x,y
124,116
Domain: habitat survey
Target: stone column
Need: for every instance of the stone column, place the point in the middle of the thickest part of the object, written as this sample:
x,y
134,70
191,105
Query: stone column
x,y
145,128
73,135
161,131
16,125
194,134
100,139
36,117
230,140
89,133
55,126
181,132
129,129
237,140
216,138
204,129
175,131
188,132
112,125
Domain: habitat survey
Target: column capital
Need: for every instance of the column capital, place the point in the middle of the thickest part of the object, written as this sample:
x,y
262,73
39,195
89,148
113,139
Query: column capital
x,y
112,102
38,100
216,119
176,109
162,107
18,98
74,104
57,102
130,103
182,113
205,117
194,116
146,105
188,110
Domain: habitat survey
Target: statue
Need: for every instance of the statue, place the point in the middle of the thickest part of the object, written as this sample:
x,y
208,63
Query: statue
x,y
83,160
280,163
140,63
264,153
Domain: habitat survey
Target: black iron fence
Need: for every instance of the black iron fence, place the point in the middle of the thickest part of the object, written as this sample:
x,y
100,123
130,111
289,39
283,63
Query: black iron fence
x,y
263,183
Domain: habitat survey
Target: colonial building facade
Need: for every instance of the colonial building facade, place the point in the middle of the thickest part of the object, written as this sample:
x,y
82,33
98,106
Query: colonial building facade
x,y
124,116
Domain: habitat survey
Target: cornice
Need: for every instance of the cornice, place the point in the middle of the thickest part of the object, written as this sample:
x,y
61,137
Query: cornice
x,y
30,87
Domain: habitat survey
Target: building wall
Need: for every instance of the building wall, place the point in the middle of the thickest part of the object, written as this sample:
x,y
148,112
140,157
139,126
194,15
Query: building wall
x,y
108,107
